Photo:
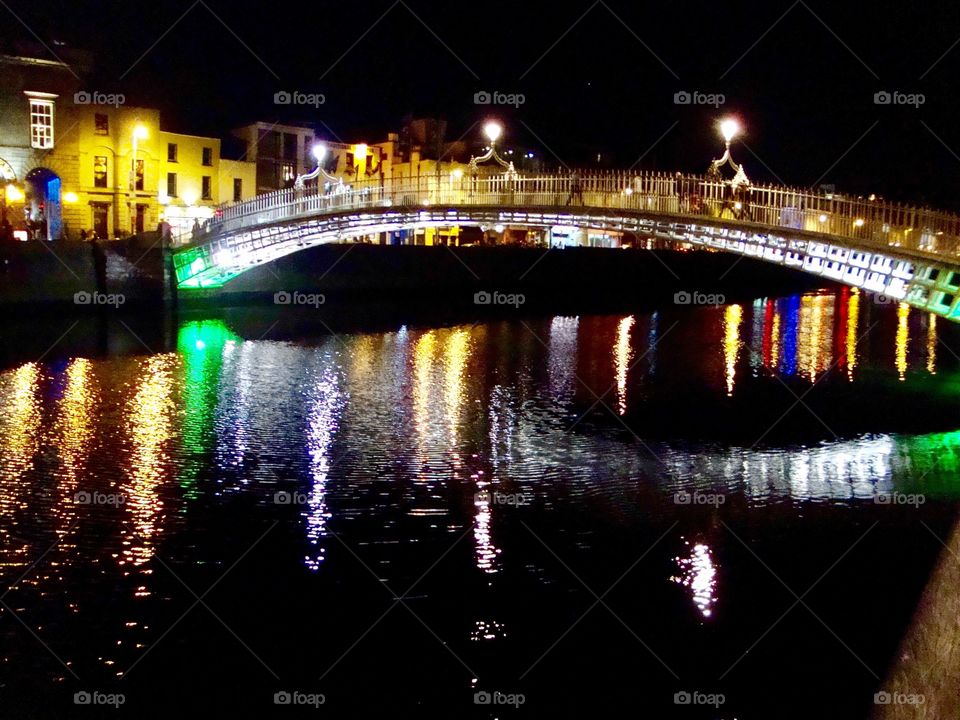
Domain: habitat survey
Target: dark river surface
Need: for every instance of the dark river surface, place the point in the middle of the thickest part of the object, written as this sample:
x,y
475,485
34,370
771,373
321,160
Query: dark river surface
x,y
595,516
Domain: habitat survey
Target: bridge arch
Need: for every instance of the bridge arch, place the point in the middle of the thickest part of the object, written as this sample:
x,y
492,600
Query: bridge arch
x,y
908,254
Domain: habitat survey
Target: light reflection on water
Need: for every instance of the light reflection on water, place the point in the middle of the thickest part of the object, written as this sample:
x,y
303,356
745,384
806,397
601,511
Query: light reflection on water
x,y
699,574
419,431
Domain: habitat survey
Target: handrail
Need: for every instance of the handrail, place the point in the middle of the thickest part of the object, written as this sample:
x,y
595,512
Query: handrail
x,y
869,222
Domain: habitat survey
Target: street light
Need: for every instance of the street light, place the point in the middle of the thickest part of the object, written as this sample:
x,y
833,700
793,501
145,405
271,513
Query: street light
x,y
729,128
319,152
493,130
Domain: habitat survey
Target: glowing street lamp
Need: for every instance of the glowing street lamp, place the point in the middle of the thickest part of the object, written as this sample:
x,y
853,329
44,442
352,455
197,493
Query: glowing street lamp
x,y
729,128
319,152
493,130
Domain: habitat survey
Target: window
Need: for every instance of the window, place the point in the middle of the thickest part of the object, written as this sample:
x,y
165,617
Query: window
x,y
139,175
41,124
208,156
237,189
287,172
171,184
100,171
171,153
101,124
205,188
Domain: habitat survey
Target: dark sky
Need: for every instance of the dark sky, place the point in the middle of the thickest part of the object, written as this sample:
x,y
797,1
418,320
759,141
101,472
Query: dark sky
x,y
597,77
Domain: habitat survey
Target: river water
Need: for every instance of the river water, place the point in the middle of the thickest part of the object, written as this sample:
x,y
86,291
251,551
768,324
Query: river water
x,y
736,506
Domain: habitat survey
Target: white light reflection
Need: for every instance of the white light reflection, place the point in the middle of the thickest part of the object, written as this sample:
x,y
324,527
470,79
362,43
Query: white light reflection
x,y
486,552
321,427
622,361
699,575
563,357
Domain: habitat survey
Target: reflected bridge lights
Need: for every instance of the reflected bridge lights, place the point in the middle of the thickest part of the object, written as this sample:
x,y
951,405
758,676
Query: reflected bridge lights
x,y
699,575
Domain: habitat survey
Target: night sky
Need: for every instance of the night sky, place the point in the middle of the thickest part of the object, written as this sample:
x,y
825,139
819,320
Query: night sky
x,y
597,77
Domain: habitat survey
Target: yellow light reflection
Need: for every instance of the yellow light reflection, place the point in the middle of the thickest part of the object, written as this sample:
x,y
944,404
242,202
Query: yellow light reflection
x,y
22,422
622,360
732,317
775,338
148,421
699,574
456,351
853,319
19,439
73,434
903,339
816,334
932,344
423,352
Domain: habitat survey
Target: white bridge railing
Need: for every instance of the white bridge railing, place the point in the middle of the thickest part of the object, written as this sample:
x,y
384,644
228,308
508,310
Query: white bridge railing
x,y
869,223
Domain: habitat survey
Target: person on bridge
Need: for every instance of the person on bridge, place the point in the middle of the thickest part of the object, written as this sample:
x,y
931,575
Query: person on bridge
x,y
576,189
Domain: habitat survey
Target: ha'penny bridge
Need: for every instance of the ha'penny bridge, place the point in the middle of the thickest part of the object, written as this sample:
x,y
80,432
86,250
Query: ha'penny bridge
x,y
903,252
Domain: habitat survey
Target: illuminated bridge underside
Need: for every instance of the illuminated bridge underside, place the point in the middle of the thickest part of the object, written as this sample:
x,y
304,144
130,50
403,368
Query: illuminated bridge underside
x,y
922,282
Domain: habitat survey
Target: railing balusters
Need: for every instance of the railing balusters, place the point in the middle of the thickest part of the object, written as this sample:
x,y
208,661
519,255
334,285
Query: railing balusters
x,y
919,229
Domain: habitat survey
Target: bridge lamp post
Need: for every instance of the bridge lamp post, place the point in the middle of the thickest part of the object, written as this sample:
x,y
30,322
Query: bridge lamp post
x,y
319,152
729,129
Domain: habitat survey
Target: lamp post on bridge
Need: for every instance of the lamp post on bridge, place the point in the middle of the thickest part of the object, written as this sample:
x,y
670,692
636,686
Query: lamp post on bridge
x,y
729,129
319,152
492,130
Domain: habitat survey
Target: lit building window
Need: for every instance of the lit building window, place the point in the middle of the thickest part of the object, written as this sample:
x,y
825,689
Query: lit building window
x,y
101,124
208,156
205,188
100,171
171,184
41,124
237,189
171,152
287,172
